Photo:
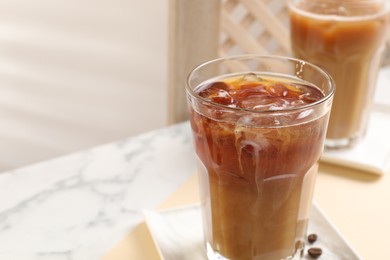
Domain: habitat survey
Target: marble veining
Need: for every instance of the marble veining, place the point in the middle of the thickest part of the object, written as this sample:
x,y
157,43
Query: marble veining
x,y
80,205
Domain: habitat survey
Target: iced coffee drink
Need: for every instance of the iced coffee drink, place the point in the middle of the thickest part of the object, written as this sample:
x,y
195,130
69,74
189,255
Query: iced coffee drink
x,y
346,38
258,135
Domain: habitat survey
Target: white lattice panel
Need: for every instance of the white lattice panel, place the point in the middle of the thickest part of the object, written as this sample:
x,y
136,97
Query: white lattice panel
x,y
254,26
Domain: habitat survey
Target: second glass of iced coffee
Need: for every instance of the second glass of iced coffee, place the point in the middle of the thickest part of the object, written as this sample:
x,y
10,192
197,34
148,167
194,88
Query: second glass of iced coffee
x,y
259,125
346,38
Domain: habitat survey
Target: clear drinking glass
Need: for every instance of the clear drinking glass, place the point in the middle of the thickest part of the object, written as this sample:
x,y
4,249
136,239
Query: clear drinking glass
x,y
258,136
347,39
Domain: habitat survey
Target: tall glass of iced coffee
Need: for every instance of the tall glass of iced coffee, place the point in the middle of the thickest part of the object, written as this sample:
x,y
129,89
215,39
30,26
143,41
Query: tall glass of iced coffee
x,y
258,125
346,38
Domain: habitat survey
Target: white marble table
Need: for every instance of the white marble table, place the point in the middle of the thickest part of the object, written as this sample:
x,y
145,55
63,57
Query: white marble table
x,y
78,206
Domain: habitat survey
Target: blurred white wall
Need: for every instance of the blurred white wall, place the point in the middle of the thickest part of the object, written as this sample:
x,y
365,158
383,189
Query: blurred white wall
x,y
79,73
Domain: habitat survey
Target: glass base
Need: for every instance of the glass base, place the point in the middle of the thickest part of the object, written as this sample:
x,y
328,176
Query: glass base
x,y
339,144
214,255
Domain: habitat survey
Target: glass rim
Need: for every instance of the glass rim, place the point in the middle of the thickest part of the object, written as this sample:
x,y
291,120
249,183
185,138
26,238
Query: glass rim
x,y
335,17
317,103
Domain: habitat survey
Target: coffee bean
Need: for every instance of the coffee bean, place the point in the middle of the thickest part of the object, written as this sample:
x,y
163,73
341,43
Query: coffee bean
x,y
312,238
315,252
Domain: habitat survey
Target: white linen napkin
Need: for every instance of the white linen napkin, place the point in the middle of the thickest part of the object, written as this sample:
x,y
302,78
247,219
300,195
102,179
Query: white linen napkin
x,y
178,235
